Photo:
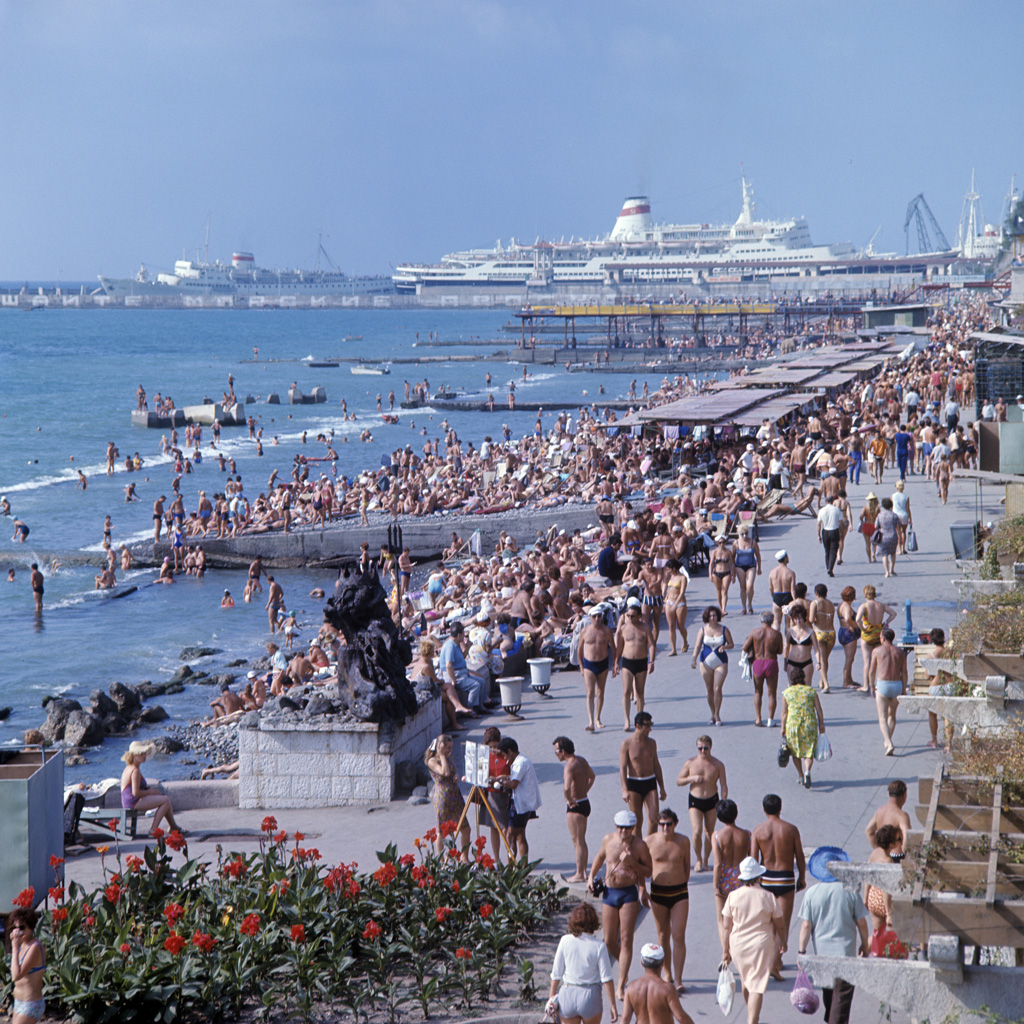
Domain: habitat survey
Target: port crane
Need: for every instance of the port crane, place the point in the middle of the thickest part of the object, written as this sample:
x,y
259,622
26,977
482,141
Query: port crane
x,y
919,209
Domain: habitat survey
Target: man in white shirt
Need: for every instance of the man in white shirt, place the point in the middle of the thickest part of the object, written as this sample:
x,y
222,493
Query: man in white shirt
x,y
830,531
522,782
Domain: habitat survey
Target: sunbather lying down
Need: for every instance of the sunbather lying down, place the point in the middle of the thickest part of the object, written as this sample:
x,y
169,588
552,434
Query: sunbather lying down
x,y
230,770
802,506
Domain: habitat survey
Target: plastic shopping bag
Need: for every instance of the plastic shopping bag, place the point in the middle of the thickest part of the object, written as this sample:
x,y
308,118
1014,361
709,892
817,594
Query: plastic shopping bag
x,y
803,996
823,751
911,540
726,988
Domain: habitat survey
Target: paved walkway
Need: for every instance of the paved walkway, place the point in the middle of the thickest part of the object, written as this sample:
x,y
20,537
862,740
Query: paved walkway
x,y
846,790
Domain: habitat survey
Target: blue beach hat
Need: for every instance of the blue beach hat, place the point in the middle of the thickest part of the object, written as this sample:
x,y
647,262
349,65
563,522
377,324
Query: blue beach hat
x,y
817,864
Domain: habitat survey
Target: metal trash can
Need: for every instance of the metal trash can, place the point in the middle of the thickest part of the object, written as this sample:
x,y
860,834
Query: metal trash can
x,y
966,541
32,812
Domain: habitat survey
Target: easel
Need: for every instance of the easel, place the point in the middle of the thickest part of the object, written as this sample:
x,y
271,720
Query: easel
x,y
478,795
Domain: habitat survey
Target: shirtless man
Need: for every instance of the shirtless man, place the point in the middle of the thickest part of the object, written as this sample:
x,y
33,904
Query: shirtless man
x,y
227,703
577,778
798,467
255,571
892,813
777,845
670,901
781,581
650,997
596,642
887,676
640,773
629,863
275,602
763,647
36,580
654,600
729,845
943,474
703,774
822,619
634,654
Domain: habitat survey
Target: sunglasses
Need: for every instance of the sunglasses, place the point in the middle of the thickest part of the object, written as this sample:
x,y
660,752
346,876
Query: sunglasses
x,y
703,748
665,824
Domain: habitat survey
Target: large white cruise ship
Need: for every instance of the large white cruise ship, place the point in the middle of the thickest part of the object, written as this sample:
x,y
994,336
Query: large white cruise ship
x,y
637,251
241,278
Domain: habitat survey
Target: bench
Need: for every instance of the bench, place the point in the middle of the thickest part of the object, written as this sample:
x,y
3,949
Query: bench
x,y
102,816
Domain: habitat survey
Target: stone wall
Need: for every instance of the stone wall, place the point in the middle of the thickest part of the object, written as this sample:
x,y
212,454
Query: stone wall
x,y
321,762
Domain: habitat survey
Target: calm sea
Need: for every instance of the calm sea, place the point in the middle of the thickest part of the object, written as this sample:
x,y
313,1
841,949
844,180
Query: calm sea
x,y
69,388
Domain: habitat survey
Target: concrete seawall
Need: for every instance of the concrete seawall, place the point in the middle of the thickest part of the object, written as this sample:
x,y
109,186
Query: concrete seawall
x,y
425,537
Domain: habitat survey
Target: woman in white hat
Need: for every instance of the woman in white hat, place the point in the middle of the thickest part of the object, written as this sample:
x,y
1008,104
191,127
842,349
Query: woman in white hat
x,y
136,795
752,930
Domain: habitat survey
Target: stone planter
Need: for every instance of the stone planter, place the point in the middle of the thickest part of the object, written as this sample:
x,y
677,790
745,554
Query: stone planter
x,y
292,761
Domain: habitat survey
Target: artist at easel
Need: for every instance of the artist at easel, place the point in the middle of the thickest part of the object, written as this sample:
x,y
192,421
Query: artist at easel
x,y
493,804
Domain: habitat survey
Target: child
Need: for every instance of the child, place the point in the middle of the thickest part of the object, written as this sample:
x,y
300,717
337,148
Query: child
x,y
291,627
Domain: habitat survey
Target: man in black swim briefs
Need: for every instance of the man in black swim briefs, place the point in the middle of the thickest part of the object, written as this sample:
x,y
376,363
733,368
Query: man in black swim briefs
x,y
640,772
577,778
705,775
670,876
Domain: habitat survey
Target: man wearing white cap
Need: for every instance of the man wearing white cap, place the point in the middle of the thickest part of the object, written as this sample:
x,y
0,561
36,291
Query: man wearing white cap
x,y
628,864
650,997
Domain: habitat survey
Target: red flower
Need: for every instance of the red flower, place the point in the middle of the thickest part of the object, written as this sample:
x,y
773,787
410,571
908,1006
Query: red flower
x,y
90,921
250,925
430,836
481,843
157,833
112,892
86,909
419,872
174,943
372,930
417,843
486,861
312,853
407,860
298,837
134,863
385,874
114,824
204,942
55,861
269,824
353,890
455,886
59,914
463,954
25,898
175,840
298,933
282,887
125,949
447,828
56,893
280,837
453,854
486,910
173,912
442,914
235,868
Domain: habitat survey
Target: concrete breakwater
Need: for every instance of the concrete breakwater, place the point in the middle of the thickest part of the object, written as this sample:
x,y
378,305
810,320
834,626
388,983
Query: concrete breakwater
x,y
338,543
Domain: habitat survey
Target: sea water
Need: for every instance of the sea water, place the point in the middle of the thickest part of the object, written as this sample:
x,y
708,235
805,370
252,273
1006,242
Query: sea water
x,y
68,388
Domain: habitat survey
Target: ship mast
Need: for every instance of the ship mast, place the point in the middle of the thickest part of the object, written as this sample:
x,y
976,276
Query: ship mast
x,y
206,247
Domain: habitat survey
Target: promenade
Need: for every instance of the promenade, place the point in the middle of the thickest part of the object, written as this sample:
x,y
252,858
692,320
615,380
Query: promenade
x,y
846,791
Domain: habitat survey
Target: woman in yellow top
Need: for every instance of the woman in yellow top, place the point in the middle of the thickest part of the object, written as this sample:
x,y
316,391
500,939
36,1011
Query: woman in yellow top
x,y
868,515
872,616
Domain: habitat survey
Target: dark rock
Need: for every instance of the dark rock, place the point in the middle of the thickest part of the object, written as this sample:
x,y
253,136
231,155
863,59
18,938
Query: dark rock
x,y
418,801
113,724
181,675
273,398
172,688
154,713
167,745
75,759
102,705
5,713
204,679
192,653
127,700
226,677
237,663
146,689
371,667
319,705
57,712
287,704
249,721
83,729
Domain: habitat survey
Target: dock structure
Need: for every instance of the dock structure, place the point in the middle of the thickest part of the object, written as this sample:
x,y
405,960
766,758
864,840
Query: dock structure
x,y
651,319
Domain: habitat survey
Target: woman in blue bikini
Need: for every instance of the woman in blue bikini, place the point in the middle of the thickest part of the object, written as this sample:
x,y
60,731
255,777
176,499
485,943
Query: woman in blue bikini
x,y
711,645
28,961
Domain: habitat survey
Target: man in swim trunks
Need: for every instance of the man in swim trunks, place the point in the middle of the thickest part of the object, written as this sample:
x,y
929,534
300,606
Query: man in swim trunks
x,y
729,846
670,903
650,998
577,778
158,516
781,581
640,773
892,813
887,675
634,654
778,846
628,864
704,775
36,579
763,647
596,643
255,571
275,603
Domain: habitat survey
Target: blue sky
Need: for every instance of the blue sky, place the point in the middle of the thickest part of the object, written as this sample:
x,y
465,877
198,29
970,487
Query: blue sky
x,y
403,129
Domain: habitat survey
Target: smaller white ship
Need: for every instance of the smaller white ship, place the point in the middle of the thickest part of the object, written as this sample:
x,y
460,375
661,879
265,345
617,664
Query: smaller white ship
x,y
371,369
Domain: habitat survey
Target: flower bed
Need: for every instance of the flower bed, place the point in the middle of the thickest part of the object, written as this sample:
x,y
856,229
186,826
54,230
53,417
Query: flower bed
x,y
168,938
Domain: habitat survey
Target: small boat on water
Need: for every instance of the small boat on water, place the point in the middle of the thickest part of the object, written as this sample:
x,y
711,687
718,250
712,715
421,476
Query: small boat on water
x,y
354,337
372,369
321,364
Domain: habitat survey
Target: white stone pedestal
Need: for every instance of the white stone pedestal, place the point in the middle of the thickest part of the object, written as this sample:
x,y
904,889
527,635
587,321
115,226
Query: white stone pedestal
x,y
319,762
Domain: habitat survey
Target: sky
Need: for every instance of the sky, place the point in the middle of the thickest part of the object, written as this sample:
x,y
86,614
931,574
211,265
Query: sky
x,y
399,130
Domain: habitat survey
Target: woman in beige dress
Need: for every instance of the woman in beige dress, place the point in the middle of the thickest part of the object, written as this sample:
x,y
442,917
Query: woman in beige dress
x,y
752,922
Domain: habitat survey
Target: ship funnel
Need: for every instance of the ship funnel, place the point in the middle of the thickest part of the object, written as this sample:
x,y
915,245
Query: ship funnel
x,y
634,223
243,261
